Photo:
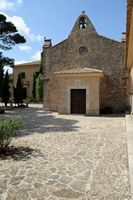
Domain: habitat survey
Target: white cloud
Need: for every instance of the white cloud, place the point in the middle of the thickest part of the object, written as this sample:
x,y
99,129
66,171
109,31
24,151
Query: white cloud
x,y
9,5
25,48
23,28
20,2
9,69
34,37
36,56
20,24
6,5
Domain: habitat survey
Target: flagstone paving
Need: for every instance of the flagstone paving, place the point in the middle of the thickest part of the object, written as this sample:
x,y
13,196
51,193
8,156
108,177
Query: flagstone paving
x,y
61,157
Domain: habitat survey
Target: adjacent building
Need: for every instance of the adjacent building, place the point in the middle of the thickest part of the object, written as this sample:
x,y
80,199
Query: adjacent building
x,y
84,73
26,71
129,53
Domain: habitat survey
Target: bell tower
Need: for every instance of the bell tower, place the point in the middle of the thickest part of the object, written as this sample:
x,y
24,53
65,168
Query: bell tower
x,y
83,23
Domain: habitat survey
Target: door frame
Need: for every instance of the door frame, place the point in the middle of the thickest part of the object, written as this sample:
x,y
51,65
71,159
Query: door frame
x,y
69,88
81,94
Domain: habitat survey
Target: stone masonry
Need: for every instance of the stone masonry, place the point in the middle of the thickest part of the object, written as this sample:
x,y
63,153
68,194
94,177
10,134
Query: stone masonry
x,y
98,52
61,157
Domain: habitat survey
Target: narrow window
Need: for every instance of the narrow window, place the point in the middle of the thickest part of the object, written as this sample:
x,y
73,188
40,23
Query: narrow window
x,y
36,74
22,75
82,23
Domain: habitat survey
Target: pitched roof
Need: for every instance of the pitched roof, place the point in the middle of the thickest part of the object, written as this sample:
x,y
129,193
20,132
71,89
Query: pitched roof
x,y
79,71
29,63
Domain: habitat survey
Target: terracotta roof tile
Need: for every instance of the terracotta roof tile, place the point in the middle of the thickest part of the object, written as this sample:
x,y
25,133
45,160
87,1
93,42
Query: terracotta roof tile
x,y
79,71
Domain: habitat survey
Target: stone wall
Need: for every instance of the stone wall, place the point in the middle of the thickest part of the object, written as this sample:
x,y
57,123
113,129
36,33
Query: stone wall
x,y
102,53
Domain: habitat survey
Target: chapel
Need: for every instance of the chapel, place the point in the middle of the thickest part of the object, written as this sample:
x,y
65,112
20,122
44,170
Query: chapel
x,y
84,74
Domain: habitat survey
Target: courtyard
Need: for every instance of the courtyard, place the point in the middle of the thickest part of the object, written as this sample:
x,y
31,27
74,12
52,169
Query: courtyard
x,y
61,157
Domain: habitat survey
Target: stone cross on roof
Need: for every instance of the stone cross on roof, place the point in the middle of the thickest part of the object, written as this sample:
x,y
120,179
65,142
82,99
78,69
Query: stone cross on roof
x,y
83,12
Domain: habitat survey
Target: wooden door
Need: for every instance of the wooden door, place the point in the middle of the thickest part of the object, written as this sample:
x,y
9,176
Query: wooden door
x,y
78,101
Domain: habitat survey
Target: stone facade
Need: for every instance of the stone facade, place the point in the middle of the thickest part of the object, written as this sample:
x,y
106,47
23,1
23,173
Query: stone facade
x,y
85,48
89,82
27,68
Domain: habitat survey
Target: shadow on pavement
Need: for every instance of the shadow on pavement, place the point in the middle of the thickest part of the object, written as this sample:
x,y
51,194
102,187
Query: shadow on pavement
x,y
37,120
20,153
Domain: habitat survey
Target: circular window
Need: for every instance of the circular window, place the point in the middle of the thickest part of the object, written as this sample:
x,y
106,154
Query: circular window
x,y
83,50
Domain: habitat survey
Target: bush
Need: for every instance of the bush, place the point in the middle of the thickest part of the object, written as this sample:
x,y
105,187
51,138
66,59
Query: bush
x,y
2,109
107,110
8,128
11,100
39,88
19,92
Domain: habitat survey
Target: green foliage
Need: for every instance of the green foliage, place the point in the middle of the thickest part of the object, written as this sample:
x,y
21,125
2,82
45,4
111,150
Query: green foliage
x,y
11,99
35,77
34,86
41,64
8,128
9,35
5,89
2,109
38,83
19,91
4,61
39,88
1,80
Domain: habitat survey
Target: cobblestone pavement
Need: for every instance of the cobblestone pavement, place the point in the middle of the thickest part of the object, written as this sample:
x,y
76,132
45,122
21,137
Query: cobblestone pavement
x,y
61,157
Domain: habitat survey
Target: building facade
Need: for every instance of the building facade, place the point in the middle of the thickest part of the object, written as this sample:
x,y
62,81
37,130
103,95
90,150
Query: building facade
x,y
129,53
26,71
84,73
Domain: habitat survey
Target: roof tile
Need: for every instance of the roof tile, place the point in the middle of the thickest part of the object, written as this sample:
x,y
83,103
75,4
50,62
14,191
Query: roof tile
x,y
79,71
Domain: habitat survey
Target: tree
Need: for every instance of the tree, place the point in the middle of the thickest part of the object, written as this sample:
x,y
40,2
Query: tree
x,y
4,61
39,82
9,35
41,64
39,88
34,86
1,80
5,89
18,91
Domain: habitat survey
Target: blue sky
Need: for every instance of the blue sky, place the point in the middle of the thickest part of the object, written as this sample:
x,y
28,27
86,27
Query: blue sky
x,y
54,19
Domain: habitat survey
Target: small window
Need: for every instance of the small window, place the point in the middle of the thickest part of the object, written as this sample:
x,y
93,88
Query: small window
x,y
82,23
22,75
36,74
